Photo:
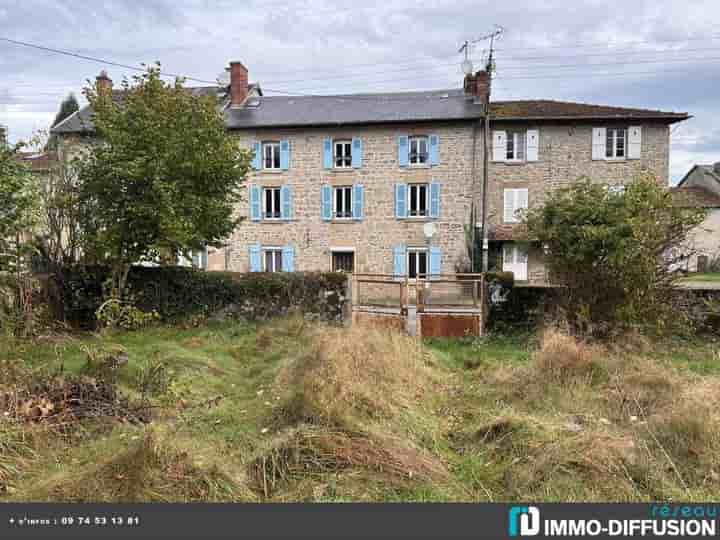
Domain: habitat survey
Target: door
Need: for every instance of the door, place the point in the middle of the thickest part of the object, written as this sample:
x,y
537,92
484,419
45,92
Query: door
x,y
515,260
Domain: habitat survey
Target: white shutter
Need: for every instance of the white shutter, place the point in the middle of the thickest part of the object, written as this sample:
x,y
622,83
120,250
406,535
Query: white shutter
x,y
499,146
634,142
508,205
532,142
598,143
521,201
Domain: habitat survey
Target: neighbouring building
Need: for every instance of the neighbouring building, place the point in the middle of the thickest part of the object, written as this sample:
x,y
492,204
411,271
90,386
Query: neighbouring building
x,y
350,182
700,188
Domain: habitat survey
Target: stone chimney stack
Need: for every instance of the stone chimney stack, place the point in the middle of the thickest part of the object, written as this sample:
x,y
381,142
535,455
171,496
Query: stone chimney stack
x,y
104,83
238,84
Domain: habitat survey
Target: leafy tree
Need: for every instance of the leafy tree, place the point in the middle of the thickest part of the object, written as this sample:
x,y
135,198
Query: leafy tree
x,y
18,206
163,177
68,106
618,254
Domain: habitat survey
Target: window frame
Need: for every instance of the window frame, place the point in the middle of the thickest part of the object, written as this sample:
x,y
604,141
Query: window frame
x,y
276,191
274,147
515,217
611,150
417,139
410,197
518,139
347,200
417,251
277,258
346,156
346,252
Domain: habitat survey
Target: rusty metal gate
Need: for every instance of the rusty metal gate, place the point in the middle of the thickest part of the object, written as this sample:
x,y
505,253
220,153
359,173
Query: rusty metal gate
x,y
437,306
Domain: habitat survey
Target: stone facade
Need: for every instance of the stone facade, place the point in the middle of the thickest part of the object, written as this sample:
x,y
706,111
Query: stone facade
x,y
372,238
564,156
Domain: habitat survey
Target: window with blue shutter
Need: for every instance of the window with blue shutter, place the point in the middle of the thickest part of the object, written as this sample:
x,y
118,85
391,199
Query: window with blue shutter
x,y
327,153
434,150
285,202
399,261
288,259
435,262
284,154
356,152
434,200
400,201
403,150
255,258
257,157
255,203
326,203
358,201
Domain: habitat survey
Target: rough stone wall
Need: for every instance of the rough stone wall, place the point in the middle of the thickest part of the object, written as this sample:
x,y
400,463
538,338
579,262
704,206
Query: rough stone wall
x,y
565,155
373,237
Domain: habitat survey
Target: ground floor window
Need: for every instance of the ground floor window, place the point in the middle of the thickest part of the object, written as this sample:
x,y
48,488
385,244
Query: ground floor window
x,y
515,260
272,259
343,261
417,262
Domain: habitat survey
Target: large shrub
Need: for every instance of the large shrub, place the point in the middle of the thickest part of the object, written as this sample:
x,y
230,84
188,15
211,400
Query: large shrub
x,y
618,254
178,293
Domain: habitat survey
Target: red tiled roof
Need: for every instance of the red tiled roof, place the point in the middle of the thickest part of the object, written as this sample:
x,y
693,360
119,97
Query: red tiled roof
x,y
694,197
551,109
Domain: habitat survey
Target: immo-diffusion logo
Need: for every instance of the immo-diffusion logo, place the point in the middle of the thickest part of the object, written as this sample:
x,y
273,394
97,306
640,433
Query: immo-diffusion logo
x,y
523,521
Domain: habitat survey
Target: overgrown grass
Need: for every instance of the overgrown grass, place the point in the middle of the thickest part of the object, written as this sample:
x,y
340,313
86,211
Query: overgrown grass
x,y
295,411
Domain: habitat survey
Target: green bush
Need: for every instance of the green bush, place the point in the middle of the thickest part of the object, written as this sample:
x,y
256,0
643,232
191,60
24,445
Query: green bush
x,y
178,293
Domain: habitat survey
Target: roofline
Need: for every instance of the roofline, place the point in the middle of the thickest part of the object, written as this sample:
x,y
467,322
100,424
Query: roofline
x,y
359,123
674,117
687,175
52,129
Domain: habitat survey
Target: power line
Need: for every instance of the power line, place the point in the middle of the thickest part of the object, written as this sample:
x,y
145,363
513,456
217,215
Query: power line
x,y
612,44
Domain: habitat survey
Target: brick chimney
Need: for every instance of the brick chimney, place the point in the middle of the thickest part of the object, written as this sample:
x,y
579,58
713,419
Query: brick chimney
x,y
238,84
103,83
478,85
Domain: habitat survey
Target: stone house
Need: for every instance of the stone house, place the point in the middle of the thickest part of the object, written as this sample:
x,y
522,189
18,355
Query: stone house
x,y
700,188
386,183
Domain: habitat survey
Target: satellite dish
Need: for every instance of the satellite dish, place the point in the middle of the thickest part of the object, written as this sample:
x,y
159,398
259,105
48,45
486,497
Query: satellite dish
x,y
223,78
429,230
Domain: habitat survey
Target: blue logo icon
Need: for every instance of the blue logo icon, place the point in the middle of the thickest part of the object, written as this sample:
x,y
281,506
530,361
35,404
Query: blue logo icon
x,y
523,521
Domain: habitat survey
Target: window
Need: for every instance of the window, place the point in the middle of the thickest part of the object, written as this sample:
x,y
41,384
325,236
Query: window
x,y
342,157
615,143
514,202
515,260
418,150
272,260
271,155
271,203
515,148
342,205
417,200
343,261
417,263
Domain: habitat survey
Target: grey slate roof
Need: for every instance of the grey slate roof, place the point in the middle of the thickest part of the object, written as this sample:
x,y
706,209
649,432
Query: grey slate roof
x,y
383,108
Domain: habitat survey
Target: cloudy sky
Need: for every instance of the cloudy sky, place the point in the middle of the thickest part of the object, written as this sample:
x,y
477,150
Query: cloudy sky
x,y
640,53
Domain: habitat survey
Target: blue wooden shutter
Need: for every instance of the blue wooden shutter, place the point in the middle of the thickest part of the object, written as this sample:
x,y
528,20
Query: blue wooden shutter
x,y
399,260
285,202
254,255
400,201
257,156
403,150
435,261
196,258
356,152
204,258
434,150
327,153
284,154
358,202
434,200
326,202
255,210
288,259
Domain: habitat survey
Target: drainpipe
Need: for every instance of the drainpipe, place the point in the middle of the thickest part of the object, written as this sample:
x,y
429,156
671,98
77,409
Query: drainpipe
x,y
486,149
